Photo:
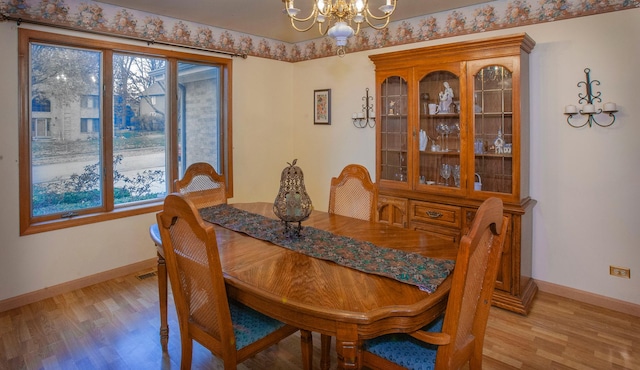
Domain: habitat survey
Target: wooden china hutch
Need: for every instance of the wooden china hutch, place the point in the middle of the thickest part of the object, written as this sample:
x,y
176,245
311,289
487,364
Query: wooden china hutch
x,y
453,131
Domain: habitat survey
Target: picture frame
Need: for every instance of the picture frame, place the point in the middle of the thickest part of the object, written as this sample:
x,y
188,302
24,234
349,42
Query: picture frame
x,y
322,107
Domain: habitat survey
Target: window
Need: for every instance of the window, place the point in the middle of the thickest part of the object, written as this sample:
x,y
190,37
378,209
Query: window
x,y
39,104
89,125
116,140
90,101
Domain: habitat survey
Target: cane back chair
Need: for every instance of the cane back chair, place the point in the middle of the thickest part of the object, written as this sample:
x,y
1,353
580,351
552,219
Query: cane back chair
x,y
204,187
457,339
231,331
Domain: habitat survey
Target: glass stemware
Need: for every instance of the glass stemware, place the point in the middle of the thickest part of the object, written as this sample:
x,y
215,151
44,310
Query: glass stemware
x,y
455,170
401,174
456,128
445,172
447,131
443,130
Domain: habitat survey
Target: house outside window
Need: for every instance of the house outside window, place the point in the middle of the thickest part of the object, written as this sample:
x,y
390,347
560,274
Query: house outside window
x,y
114,142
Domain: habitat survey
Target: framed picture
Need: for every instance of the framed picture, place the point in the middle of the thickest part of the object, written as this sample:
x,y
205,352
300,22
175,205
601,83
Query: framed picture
x,y
322,107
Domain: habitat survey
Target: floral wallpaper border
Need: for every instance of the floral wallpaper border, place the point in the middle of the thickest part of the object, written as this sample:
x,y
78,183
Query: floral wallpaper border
x,y
499,14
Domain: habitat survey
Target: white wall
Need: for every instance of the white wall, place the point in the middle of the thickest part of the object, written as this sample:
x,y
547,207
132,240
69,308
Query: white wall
x,y
583,179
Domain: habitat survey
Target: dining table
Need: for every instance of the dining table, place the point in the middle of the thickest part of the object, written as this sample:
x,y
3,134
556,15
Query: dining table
x,y
350,301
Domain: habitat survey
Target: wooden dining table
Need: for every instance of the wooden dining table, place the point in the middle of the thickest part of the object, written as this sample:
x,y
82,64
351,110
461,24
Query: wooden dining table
x,y
323,296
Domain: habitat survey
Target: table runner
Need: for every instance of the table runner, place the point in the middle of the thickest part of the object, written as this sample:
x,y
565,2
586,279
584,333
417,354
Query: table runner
x,y
425,272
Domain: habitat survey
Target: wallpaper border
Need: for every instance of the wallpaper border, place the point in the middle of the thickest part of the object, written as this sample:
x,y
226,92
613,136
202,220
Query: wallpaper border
x,y
500,14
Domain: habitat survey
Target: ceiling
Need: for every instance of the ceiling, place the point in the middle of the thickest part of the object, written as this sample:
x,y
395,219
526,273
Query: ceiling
x,y
265,18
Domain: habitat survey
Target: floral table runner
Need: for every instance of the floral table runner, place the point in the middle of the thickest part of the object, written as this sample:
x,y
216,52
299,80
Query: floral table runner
x,y
411,268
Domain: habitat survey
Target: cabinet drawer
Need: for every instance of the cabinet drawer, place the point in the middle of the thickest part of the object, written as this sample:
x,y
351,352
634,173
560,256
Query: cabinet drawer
x,y
434,213
447,233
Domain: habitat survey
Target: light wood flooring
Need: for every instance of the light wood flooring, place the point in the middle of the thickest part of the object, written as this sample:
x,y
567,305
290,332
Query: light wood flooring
x,y
114,325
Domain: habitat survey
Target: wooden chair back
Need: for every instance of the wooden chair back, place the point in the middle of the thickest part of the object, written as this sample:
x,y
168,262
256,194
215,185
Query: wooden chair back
x,y
202,185
474,279
353,193
198,286
195,273
465,320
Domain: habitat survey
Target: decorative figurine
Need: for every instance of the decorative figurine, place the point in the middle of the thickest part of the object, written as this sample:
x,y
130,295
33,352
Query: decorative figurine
x,y
446,98
392,103
499,143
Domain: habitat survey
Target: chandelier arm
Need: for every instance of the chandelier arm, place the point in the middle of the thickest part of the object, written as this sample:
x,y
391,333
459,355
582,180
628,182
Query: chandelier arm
x,y
312,15
379,27
357,29
379,18
301,29
322,33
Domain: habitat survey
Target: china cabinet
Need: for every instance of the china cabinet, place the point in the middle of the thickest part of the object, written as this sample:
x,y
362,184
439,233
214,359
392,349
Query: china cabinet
x,y
453,131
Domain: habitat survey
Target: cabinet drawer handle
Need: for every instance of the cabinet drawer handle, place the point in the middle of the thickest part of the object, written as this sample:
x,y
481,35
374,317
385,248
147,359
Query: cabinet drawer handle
x,y
434,214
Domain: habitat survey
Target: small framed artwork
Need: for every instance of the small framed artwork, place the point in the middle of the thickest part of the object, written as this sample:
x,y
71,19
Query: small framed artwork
x,y
322,107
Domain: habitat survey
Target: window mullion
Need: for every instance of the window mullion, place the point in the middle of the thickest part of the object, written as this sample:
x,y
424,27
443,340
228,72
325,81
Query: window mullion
x,y
107,130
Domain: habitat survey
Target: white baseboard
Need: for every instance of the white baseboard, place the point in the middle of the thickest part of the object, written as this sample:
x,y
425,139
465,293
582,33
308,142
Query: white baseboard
x,y
590,298
52,291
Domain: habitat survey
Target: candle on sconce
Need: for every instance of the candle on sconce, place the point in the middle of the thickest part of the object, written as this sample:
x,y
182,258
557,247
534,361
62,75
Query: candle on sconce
x,y
354,116
589,108
610,107
360,115
570,109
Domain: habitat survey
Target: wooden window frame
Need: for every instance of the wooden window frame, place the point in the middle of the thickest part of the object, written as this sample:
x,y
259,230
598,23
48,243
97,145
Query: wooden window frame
x,y
29,225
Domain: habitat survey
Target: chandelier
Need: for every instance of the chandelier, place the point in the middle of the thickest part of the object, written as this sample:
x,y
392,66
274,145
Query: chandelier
x,y
336,18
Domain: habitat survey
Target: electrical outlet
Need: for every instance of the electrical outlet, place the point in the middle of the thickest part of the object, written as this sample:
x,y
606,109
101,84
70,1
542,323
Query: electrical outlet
x,y
622,272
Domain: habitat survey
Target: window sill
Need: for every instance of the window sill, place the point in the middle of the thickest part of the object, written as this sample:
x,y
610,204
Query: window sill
x,y
35,228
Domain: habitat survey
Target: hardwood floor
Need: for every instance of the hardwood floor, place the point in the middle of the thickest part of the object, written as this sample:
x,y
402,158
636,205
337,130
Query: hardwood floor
x,y
114,325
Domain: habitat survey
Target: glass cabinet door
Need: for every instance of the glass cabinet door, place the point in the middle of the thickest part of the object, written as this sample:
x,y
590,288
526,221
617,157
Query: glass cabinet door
x,y
493,129
439,130
393,129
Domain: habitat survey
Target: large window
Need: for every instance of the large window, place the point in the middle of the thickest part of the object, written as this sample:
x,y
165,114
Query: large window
x,y
121,123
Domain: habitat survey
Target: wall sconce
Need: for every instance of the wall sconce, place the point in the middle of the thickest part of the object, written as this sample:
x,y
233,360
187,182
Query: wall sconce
x,y
366,117
589,109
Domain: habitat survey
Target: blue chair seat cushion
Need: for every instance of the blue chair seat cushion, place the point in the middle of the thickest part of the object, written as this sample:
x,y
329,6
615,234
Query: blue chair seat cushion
x,y
404,350
154,232
250,325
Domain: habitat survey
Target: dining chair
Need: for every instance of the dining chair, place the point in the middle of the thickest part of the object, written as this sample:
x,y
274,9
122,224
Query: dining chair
x,y
353,194
230,330
457,338
204,187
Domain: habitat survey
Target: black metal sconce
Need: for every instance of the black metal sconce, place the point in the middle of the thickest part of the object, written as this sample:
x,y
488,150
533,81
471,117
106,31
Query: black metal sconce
x,y
366,117
589,109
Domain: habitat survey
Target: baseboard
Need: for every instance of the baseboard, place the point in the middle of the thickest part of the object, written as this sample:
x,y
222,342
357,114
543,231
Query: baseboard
x,y
52,291
590,298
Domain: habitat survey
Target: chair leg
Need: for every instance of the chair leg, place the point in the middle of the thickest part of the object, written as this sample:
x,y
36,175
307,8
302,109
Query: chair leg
x,y
306,342
187,353
325,351
163,295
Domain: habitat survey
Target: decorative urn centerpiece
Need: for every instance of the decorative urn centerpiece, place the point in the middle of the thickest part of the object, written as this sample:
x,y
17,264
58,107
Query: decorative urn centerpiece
x,y
292,203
